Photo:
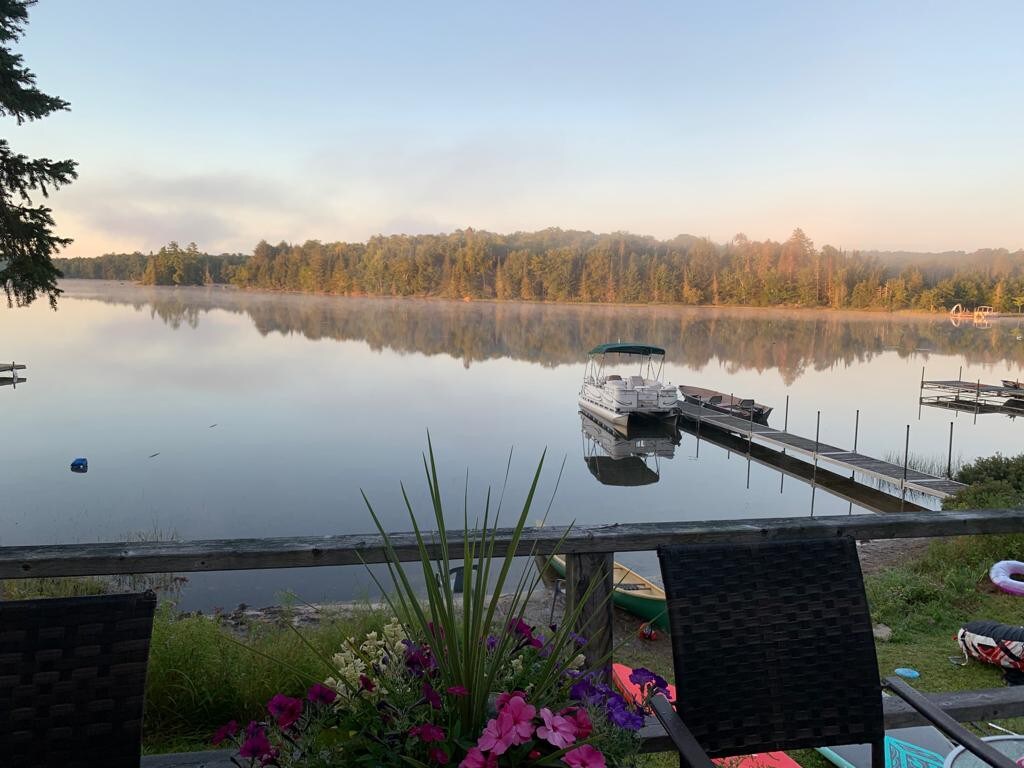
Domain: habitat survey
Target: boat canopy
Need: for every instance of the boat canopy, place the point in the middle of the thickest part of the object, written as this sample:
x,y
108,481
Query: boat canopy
x,y
627,349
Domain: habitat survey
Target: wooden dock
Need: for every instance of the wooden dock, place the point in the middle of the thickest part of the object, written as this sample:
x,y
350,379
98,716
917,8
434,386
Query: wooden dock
x,y
904,478
12,380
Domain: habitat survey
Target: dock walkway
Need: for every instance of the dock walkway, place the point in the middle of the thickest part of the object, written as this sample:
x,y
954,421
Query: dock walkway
x,y
930,485
973,396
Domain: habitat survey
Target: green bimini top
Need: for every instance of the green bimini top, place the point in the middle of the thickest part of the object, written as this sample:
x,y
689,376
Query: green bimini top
x,y
627,349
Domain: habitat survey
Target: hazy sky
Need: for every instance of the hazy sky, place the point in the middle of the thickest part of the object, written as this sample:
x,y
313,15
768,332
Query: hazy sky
x,y
873,125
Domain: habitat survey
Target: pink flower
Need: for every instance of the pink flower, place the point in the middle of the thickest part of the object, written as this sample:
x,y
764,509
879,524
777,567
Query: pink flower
x,y
534,754
522,715
319,693
226,731
437,755
431,696
581,719
457,690
285,709
498,735
504,698
584,756
557,731
366,684
256,743
427,732
477,759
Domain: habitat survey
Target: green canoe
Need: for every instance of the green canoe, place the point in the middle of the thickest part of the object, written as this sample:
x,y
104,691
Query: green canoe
x,y
632,593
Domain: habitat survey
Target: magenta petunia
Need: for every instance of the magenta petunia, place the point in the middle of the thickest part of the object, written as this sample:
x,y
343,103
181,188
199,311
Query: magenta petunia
x,y
499,734
437,755
584,756
522,715
581,719
427,732
256,743
431,696
366,684
504,698
319,693
284,709
457,690
225,732
557,731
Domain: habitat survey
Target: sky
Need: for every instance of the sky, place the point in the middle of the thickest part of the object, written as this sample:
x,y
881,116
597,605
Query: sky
x,y
876,125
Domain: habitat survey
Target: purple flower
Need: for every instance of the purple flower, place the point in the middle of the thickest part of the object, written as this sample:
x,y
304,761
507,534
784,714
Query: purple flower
x,y
256,743
644,678
285,709
492,642
225,732
431,696
623,716
418,658
366,684
583,690
319,693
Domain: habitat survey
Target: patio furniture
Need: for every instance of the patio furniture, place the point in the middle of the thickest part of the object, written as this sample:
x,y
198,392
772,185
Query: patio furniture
x,y
773,650
72,680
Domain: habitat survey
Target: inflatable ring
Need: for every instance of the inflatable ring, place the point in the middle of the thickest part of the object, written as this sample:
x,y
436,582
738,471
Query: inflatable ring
x,y
1002,572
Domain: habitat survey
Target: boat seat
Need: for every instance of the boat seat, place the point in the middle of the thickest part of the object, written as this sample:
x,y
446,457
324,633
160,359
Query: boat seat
x,y
615,377
715,399
746,403
637,381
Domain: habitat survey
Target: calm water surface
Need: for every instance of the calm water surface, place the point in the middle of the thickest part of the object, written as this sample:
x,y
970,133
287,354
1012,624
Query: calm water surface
x,y
269,413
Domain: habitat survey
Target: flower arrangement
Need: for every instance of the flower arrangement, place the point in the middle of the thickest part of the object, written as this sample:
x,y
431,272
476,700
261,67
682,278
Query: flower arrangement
x,y
467,683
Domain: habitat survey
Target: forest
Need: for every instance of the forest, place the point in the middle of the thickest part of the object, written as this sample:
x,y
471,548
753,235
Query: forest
x,y
555,265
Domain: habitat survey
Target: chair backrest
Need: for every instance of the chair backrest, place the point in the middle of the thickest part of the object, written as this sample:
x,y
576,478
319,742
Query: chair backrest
x,y
72,680
772,645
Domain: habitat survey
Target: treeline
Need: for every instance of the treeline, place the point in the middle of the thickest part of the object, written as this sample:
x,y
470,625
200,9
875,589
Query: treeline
x,y
171,265
569,266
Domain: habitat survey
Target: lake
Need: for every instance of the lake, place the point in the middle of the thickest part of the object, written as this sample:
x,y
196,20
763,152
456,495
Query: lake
x,y
216,413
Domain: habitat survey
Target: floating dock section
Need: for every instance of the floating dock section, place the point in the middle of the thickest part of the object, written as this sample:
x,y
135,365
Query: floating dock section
x,y
13,380
905,478
974,397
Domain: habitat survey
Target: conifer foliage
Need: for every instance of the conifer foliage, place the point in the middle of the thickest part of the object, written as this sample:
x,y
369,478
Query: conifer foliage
x,y
27,238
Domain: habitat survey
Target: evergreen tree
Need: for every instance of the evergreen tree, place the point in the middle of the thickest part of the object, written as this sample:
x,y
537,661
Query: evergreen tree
x,y
27,240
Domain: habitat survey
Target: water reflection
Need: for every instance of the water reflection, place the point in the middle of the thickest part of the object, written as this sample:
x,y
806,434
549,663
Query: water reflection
x,y
552,335
627,460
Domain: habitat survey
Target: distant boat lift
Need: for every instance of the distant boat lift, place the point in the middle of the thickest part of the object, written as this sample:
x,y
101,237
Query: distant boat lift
x,y
13,380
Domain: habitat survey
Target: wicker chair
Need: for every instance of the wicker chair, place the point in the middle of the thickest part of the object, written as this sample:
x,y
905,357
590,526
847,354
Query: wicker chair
x,y
72,680
773,650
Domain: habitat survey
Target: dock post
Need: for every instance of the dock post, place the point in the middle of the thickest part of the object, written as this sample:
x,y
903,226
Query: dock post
x,y
949,460
785,419
14,376
856,431
959,379
920,394
906,463
814,472
977,401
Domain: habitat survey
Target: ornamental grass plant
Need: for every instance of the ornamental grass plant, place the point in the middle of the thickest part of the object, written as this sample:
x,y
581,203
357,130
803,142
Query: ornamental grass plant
x,y
460,679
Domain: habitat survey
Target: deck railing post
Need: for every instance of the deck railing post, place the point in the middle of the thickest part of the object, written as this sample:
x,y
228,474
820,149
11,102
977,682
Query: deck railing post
x,y
785,419
588,580
906,464
949,460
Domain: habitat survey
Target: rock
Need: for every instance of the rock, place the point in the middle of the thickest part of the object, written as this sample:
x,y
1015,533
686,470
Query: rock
x,y
882,633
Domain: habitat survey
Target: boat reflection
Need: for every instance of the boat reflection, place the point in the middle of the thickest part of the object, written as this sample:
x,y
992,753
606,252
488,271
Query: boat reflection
x,y
628,457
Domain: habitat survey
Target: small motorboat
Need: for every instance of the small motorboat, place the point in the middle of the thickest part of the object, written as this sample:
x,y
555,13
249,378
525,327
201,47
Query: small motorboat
x,y
1012,384
619,397
631,592
742,408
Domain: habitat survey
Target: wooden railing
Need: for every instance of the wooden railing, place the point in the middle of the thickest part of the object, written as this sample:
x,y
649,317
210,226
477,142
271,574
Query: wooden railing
x,y
589,552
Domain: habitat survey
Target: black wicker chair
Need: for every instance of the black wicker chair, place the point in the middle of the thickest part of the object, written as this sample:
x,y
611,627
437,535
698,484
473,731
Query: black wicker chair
x,y
72,680
773,650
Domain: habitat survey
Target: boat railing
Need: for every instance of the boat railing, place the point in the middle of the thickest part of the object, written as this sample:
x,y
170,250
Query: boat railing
x,y
589,551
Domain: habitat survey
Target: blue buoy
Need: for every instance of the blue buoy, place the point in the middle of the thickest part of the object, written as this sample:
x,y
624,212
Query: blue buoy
x,y
80,465
907,672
